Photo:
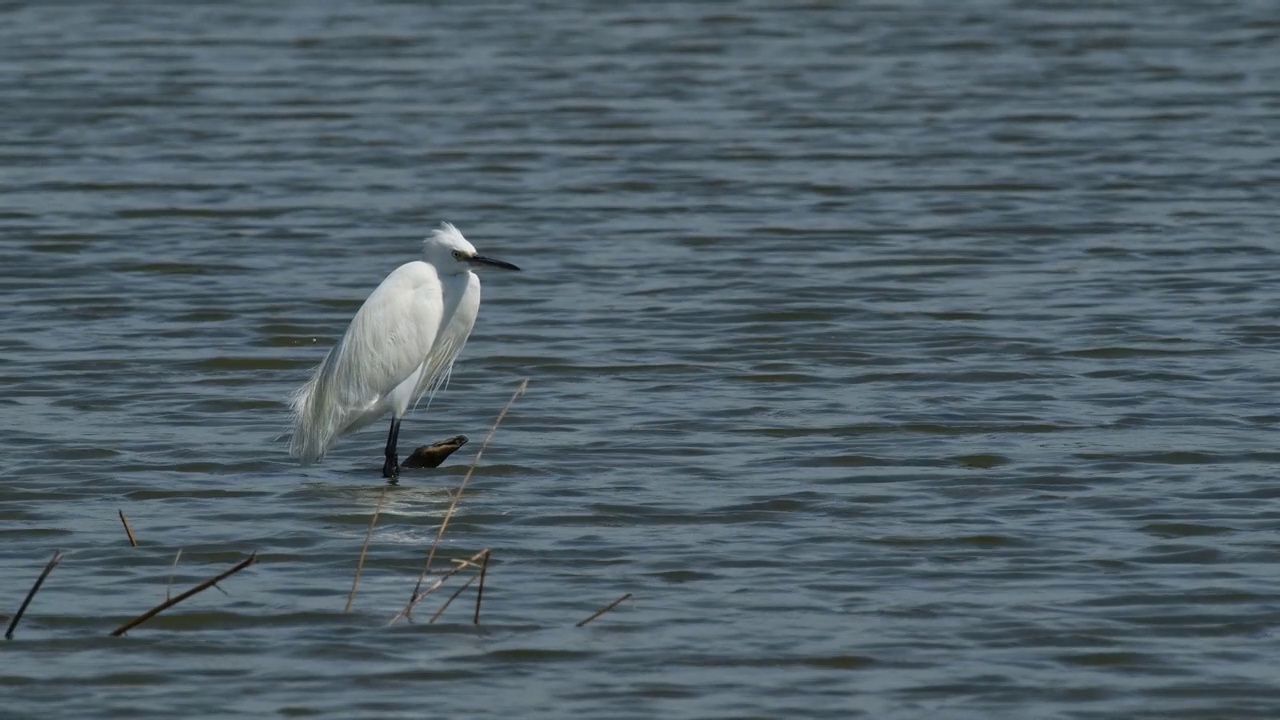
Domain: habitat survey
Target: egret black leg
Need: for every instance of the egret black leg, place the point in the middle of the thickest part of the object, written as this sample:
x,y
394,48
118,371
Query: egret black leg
x,y
391,468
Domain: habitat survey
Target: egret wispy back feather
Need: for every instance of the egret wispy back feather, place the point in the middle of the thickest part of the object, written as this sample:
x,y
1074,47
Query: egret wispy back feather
x,y
388,342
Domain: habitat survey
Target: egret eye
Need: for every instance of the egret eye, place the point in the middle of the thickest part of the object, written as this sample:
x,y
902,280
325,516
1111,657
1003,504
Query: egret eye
x,y
457,255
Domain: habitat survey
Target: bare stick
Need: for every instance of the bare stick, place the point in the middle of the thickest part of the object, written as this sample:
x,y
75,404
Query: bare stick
x,y
604,610
170,603
133,542
48,568
436,585
458,495
484,566
452,597
172,571
351,596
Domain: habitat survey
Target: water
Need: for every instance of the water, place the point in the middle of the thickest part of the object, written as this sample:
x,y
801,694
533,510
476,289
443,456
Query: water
x,y
903,360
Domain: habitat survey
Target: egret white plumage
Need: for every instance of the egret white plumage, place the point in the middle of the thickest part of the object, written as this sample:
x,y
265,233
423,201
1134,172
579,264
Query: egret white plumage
x,y
400,345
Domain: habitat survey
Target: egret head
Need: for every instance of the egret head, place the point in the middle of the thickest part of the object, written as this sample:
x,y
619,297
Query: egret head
x,y
450,253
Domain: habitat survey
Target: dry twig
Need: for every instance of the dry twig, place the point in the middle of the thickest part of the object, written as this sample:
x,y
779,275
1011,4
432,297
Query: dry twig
x,y
170,603
351,596
436,585
453,506
172,571
452,597
48,568
604,610
484,566
133,542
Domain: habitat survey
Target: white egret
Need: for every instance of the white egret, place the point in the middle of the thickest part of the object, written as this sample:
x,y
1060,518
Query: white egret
x,y
401,344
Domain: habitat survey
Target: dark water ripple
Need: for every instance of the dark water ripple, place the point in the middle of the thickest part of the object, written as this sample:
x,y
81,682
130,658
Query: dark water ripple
x,y
903,360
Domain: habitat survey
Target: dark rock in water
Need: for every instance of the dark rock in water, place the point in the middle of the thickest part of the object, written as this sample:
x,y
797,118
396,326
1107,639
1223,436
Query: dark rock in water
x,y
429,456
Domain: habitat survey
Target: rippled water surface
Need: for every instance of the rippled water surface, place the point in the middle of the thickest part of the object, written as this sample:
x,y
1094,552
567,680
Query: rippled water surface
x,y
902,360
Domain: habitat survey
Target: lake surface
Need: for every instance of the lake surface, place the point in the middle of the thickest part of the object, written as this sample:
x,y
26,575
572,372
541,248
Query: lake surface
x,y
903,360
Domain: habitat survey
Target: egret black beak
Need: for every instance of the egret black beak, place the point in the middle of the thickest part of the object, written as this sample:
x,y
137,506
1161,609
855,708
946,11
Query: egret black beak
x,y
482,260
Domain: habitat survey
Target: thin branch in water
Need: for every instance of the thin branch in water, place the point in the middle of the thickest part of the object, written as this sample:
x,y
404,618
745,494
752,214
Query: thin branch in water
x,y
170,603
172,571
604,610
484,567
404,611
373,521
452,597
133,542
453,506
48,568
